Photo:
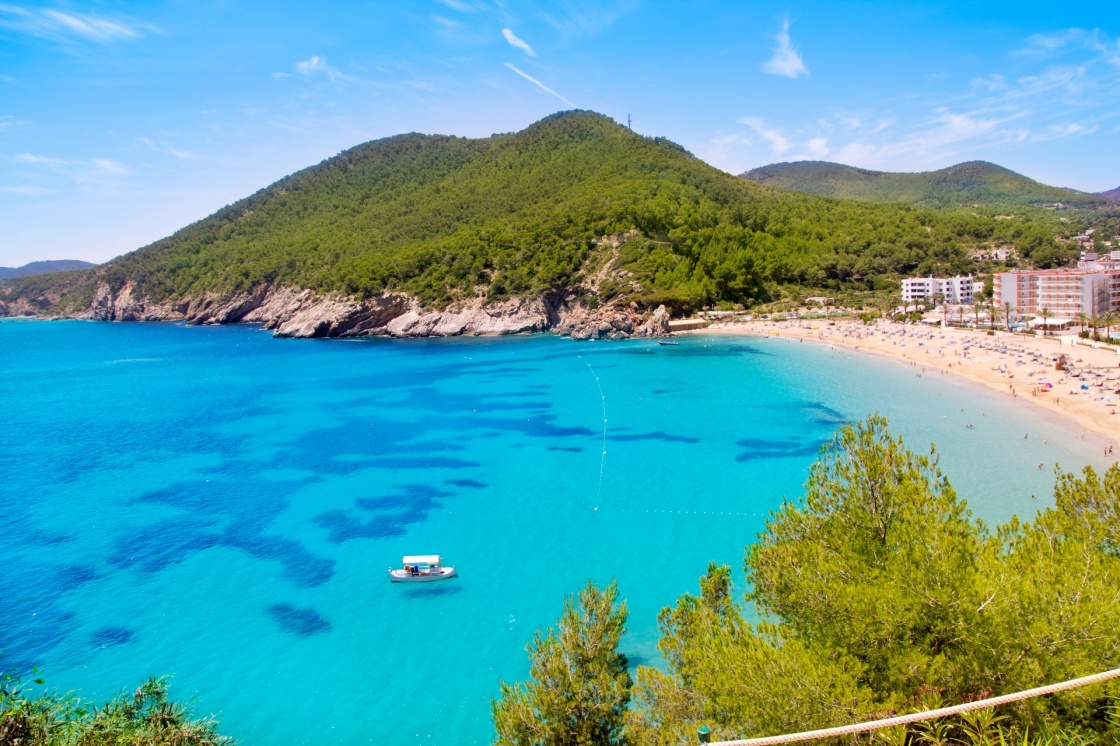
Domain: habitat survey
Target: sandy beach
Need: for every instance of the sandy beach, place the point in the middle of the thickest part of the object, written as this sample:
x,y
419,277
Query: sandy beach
x,y
1011,365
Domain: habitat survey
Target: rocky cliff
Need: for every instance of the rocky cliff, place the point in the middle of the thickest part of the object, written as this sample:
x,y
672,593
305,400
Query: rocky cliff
x,y
301,313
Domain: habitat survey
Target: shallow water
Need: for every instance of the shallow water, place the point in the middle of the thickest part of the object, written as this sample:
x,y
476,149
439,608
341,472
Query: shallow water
x,y
221,506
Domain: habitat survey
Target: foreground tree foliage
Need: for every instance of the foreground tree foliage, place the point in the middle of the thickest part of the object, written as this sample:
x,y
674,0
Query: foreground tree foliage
x,y
145,718
580,685
880,594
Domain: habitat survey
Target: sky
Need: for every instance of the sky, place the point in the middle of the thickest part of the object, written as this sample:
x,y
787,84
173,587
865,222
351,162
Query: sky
x,y
121,122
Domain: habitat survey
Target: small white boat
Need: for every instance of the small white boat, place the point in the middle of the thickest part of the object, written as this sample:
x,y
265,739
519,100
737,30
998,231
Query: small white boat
x,y
421,568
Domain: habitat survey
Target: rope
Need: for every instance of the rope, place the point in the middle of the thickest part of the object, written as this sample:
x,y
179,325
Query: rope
x,y
603,449
980,704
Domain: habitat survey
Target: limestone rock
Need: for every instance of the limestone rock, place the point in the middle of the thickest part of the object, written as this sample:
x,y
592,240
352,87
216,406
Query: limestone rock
x,y
656,325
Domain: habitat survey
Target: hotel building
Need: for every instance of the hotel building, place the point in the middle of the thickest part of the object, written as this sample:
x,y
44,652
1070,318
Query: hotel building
x,y
1064,292
956,290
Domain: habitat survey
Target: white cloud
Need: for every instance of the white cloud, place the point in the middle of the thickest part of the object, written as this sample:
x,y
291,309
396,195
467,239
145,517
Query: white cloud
x,y
316,65
1040,43
458,5
519,43
24,190
993,82
587,17
81,171
786,61
882,125
931,142
39,160
109,166
60,26
537,83
165,148
778,142
817,147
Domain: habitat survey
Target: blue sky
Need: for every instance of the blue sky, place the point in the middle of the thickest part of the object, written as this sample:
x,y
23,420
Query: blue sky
x,y
120,122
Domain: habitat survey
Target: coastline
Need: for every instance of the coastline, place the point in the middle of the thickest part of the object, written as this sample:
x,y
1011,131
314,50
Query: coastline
x,y
1013,366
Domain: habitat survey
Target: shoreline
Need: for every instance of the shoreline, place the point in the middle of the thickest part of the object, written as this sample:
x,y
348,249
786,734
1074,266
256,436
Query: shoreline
x,y
1010,365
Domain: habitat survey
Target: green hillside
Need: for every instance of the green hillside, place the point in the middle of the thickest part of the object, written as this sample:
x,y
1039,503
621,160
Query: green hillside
x,y
445,218
974,182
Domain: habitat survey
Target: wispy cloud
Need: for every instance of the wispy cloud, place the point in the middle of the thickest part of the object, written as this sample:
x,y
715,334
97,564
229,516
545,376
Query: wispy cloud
x,y
817,147
57,25
39,160
519,43
586,17
458,5
787,60
29,191
778,142
109,166
537,83
316,66
81,171
1058,42
165,148
932,141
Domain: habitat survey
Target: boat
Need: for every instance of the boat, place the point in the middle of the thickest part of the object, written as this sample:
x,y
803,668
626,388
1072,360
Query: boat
x,y
668,342
421,568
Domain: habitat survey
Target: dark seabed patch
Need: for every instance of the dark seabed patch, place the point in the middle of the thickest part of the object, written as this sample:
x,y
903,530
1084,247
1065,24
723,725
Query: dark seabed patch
x,y
33,619
154,547
633,661
825,415
657,435
110,636
392,514
792,447
296,621
474,484
435,462
571,449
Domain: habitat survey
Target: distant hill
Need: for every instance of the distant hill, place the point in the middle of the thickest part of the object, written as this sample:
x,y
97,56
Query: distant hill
x,y
974,182
573,216
1113,195
42,268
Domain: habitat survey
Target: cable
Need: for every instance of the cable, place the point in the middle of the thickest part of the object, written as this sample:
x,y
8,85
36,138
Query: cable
x,y
980,704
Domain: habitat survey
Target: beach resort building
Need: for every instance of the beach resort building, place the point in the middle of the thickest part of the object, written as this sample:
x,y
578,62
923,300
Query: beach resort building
x,y
954,290
1064,292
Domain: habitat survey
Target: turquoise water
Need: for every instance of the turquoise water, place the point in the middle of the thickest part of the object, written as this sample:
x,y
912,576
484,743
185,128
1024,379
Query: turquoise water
x,y
221,506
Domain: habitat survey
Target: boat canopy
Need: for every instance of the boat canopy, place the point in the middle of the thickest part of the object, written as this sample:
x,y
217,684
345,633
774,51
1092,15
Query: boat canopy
x,y
421,559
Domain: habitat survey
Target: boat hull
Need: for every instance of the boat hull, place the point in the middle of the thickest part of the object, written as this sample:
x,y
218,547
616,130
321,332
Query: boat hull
x,y
400,576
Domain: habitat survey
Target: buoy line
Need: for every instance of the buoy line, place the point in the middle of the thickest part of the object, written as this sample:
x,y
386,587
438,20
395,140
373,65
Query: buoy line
x,y
603,449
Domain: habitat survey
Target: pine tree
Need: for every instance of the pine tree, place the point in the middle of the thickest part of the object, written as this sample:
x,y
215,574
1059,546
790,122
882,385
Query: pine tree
x,y
579,685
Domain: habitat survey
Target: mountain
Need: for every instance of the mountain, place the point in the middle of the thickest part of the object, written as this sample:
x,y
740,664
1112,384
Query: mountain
x,y
1112,195
574,224
42,268
974,182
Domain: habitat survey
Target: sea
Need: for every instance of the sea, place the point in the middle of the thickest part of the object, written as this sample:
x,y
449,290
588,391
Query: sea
x,y
221,507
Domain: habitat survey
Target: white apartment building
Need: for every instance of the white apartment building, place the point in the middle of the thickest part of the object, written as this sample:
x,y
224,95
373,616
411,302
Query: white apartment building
x,y
956,290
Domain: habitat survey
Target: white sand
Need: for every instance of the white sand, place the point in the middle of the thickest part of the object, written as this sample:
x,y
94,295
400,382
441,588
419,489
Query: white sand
x,y
1014,366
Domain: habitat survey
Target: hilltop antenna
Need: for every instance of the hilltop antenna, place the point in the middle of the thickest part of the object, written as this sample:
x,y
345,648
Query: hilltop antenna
x,y
628,122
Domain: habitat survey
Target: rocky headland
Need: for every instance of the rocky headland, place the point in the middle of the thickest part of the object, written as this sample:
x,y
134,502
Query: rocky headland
x,y
301,313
